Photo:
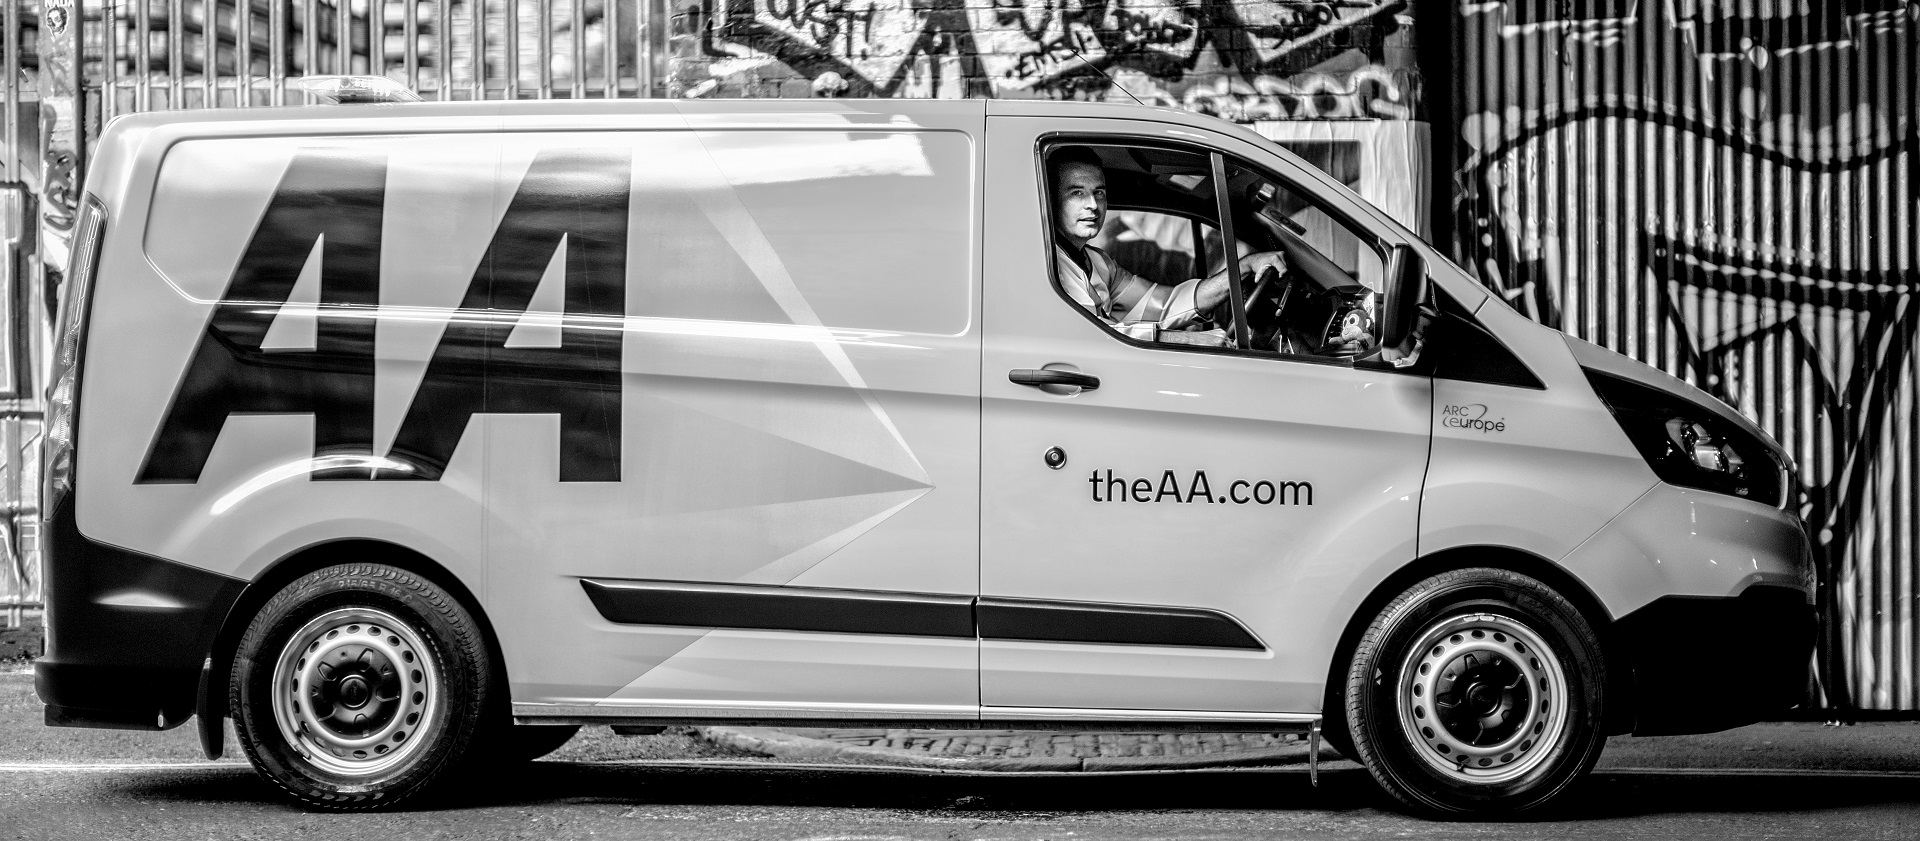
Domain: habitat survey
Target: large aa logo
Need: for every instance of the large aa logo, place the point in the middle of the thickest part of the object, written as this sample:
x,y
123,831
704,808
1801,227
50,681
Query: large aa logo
x,y
328,208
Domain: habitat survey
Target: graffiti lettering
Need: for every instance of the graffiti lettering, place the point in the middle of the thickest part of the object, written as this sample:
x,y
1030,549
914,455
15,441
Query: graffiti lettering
x,y
1241,61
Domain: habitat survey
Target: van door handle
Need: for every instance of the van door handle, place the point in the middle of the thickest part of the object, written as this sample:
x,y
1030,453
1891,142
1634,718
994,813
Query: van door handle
x,y
1048,376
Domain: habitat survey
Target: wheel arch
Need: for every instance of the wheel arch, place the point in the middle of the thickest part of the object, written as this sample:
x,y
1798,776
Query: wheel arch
x,y
1619,668
211,707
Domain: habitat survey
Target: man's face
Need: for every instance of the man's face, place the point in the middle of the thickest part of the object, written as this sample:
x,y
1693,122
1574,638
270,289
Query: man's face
x,y
1080,202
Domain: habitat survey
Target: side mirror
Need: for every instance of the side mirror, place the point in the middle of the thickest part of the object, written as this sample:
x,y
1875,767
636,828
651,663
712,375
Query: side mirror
x,y
1406,287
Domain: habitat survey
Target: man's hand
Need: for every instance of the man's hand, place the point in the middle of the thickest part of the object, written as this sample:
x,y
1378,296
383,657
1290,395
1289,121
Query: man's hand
x,y
1213,290
1197,338
1257,264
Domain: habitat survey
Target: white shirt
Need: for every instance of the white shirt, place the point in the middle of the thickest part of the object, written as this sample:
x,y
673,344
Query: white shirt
x,y
1131,304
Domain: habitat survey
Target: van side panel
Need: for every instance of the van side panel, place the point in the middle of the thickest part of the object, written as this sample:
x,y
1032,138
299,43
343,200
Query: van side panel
x,y
546,357
799,400
243,408
1538,470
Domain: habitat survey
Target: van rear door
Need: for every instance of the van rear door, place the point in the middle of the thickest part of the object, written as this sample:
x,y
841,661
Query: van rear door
x,y
1182,536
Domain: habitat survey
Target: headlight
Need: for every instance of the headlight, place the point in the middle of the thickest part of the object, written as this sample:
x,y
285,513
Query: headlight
x,y
1691,446
1709,453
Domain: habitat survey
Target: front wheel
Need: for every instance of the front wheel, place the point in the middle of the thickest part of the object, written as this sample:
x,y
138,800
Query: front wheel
x,y
358,686
1477,690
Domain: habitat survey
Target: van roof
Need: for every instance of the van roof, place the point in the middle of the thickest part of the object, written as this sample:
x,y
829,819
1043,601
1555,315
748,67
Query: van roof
x,y
703,112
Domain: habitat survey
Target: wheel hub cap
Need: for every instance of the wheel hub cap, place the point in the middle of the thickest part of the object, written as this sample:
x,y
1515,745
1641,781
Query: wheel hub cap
x,y
352,688
1482,698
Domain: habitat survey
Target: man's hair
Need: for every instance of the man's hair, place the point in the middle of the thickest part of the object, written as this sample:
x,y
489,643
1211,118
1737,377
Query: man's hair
x,y
1065,156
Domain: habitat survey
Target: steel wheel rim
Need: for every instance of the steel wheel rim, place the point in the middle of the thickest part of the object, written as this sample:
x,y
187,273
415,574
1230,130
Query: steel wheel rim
x,y
1482,699
352,689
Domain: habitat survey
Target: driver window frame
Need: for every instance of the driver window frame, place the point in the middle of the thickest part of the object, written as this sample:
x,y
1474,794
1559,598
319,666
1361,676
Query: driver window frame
x,y
1047,144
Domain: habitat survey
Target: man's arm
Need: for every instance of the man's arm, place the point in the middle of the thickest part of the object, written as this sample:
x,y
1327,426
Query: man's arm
x,y
1153,312
1212,291
1193,300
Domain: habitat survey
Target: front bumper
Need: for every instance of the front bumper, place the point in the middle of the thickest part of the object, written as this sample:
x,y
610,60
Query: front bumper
x,y
127,633
1701,665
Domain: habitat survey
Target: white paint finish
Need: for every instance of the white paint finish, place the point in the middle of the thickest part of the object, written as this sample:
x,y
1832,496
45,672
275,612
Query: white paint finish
x,y
1093,714
158,298
1679,542
799,407
720,709
1360,437
1042,674
736,667
1557,470
297,326
540,325
813,454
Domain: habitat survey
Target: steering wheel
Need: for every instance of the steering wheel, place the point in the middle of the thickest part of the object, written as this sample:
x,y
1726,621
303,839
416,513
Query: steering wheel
x,y
1269,277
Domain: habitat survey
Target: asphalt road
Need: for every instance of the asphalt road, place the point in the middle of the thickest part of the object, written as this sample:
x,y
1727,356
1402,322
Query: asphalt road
x,y
736,799
1766,781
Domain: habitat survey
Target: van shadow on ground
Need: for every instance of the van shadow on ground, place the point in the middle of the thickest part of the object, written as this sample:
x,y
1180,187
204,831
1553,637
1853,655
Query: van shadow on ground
x,y
1602,796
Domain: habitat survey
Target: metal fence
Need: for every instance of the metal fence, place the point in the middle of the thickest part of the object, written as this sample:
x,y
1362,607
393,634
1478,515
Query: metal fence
x,y
162,54
72,66
1729,191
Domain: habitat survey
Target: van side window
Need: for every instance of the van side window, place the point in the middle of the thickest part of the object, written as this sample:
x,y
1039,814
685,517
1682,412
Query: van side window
x,y
1156,245
1128,226
1138,245
1327,301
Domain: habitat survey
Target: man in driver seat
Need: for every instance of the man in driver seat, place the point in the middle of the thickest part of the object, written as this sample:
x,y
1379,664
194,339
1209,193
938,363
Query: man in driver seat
x,y
1133,305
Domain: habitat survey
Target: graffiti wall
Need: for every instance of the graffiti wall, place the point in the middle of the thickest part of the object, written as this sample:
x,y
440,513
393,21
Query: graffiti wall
x,y
1729,190
1247,61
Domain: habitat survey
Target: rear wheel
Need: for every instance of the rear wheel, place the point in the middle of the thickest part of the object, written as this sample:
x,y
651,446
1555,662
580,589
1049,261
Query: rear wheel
x,y
358,686
1477,690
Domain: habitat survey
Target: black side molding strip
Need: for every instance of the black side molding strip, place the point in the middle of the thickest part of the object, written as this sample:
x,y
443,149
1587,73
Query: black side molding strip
x,y
1034,620
781,608
824,610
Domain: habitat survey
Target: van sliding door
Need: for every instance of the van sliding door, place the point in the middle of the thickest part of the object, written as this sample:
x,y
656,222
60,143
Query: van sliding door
x,y
793,527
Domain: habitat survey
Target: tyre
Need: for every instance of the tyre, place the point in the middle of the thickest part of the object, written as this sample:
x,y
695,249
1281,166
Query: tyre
x,y
1477,691
358,686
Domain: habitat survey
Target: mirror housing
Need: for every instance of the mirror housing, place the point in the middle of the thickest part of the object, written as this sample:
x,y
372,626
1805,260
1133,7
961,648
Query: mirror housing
x,y
1406,287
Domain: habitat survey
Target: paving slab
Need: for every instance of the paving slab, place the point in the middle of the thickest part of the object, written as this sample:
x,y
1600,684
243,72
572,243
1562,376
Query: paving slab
x,y
1021,750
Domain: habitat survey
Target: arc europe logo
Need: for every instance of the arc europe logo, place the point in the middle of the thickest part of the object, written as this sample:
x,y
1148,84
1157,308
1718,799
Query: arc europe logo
x,y
1471,416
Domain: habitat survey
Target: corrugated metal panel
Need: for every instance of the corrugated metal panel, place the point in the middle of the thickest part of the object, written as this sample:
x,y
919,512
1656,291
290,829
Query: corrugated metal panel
x,y
142,55
163,54
1728,190
20,419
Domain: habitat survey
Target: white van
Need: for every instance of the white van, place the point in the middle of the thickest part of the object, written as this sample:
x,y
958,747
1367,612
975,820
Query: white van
x,y
412,437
